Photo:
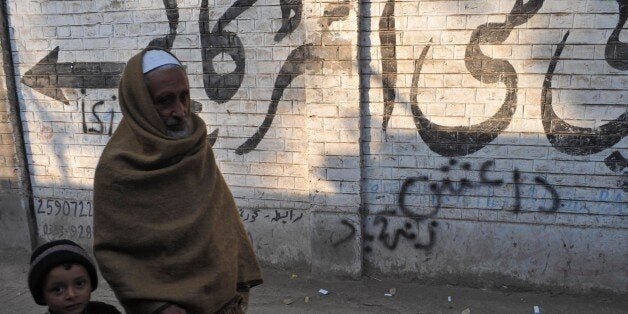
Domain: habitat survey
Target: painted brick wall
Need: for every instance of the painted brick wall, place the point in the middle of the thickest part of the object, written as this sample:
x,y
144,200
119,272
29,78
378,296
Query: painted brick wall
x,y
447,139
482,162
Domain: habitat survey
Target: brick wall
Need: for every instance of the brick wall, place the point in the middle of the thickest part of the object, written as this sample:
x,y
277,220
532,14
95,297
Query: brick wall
x,y
447,139
13,190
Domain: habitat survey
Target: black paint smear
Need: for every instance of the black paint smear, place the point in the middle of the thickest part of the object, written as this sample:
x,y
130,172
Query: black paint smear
x,y
289,24
463,140
616,162
293,67
555,196
222,87
172,12
388,44
571,139
616,52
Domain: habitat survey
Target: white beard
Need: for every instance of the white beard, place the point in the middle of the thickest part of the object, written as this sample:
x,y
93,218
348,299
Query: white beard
x,y
184,132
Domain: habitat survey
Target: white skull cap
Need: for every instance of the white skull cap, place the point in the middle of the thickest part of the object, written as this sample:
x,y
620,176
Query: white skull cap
x,y
153,59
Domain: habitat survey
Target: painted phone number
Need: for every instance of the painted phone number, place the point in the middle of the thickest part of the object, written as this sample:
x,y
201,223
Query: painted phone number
x,y
67,231
55,207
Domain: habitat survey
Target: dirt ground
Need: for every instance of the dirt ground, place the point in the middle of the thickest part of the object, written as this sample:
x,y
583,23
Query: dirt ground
x,y
368,295
287,291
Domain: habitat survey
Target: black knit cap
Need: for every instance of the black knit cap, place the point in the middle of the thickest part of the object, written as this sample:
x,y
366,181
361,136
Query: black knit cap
x,y
52,254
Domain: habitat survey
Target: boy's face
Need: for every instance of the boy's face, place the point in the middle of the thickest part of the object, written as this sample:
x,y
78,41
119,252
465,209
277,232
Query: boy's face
x,y
67,289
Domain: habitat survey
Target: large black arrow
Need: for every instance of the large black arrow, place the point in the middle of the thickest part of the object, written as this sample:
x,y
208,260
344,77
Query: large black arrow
x,y
49,77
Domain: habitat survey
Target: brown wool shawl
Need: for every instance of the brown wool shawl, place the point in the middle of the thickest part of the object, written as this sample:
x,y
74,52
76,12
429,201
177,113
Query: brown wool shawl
x,y
166,227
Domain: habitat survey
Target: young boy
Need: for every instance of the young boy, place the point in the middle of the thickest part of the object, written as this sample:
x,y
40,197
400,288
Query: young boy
x,y
63,277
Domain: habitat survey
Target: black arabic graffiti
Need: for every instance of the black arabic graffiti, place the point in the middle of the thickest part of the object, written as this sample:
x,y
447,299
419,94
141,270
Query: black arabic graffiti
x,y
293,67
405,232
388,46
347,237
289,23
222,87
616,52
390,242
571,139
49,76
464,140
99,122
172,13
450,187
616,162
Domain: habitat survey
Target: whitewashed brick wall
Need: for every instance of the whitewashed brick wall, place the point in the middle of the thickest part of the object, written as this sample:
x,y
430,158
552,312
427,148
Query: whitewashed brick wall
x,y
323,186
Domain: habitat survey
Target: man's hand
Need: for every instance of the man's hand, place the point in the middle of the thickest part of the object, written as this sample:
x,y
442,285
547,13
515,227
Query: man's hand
x,y
173,309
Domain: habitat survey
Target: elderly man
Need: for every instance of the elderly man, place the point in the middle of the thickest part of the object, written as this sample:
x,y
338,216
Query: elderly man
x,y
168,237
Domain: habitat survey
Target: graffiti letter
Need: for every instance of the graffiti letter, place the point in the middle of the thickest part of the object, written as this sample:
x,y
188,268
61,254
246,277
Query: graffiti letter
x,y
516,179
172,12
464,140
221,87
616,52
388,42
483,177
291,69
402,199
571,139
555,197
289,24
349,236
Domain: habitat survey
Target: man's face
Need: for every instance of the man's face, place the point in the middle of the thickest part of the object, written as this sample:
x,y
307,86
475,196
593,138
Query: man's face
x,y
169,89
67,289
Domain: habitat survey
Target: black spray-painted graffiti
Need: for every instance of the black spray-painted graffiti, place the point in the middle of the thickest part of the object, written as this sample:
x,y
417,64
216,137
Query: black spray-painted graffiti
x,y
390,237
465,140
172,13
222,87
49,77
616,52
95,116
571,139
407,232
388,49
462,141
448,187
414,220
289,22
293,67
616,162
349,236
